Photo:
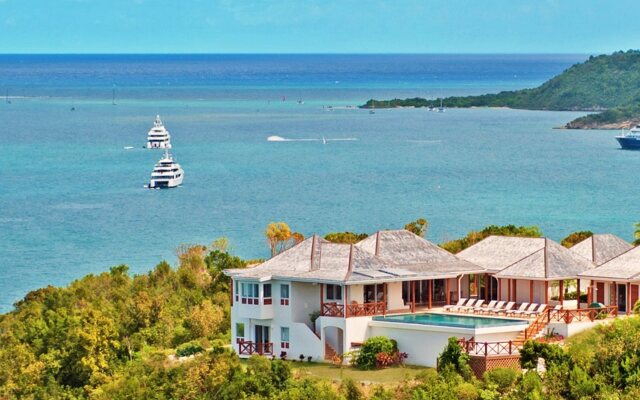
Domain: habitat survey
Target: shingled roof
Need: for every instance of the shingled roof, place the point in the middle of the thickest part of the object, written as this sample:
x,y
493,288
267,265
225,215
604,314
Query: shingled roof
x,y
551,262
495,253
403,256
601,248
624,267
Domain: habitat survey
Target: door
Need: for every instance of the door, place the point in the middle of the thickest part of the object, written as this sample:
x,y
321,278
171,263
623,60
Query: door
x,y
262,339
622,298
600,292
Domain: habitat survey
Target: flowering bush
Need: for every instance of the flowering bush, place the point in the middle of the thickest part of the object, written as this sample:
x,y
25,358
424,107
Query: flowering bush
x,y
387,359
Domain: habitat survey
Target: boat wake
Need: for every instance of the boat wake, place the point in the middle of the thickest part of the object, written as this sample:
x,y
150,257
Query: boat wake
x,y
281,139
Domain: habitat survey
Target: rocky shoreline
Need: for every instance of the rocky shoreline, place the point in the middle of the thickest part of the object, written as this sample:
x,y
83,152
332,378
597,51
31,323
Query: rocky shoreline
x,y
618,125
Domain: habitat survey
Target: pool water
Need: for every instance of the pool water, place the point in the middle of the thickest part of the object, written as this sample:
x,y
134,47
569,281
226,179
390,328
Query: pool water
x,y
457,321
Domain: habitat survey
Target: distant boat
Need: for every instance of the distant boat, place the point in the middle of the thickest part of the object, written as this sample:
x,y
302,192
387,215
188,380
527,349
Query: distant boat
x,y
166,173
630,140
113,97
300,101
441,108
324,140
158,136
6,97
128,147
371,112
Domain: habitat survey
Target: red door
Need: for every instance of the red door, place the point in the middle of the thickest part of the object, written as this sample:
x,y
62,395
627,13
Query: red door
x,y
600,292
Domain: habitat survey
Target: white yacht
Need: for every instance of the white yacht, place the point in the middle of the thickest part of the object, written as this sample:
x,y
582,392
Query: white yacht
x,y
158,136
166,173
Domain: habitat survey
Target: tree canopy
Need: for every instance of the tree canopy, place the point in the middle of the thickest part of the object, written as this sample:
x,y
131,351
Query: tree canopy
x,y
473,237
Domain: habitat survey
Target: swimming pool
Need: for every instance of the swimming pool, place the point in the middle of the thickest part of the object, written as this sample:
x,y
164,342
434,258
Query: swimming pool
x,y
456,321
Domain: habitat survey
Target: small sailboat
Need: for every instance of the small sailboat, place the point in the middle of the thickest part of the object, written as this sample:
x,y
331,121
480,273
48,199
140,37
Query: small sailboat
x,y
6,97
113,97
324,140
441,108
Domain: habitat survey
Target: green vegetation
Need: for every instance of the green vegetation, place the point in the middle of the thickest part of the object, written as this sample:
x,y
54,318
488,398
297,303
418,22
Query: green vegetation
x,y
345,237
473,237
575,238
371,348
418,227
606,82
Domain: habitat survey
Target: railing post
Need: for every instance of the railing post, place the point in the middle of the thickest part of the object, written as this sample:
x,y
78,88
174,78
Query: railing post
x,y
510,347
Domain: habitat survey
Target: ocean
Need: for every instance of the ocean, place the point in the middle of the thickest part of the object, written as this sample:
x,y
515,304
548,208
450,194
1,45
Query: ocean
x,y
73,201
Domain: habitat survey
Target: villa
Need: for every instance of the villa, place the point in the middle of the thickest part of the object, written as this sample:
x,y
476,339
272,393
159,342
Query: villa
x,y
320,299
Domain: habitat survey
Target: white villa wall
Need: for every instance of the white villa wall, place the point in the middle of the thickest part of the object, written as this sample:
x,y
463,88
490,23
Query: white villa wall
x,y
304,341
573,328
305,299
394,296
357,330
356,293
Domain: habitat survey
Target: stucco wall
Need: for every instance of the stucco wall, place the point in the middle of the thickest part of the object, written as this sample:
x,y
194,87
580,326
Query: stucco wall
x,y
305,298
394,296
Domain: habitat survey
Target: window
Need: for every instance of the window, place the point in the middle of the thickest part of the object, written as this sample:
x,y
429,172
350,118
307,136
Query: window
x,y
236,290
334,292
374,293
284,294
284,337
249,293
266,293
239,332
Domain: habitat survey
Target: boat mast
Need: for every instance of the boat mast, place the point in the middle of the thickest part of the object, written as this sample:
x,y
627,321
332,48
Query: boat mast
x,y
113,96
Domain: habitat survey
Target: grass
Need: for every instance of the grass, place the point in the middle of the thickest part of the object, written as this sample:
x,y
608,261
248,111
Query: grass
x,y
330,372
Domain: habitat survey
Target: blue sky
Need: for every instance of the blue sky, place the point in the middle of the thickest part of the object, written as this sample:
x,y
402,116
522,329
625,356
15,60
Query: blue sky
x,y
323,26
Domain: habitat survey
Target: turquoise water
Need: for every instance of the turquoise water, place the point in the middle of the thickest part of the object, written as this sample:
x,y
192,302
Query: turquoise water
x,y
72,199
456,321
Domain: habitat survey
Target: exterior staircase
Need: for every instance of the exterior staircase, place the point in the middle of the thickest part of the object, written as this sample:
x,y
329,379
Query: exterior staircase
x,y
534,329
329,352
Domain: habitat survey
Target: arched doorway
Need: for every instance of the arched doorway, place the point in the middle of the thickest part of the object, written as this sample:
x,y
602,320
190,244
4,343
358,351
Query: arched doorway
x,y
333,342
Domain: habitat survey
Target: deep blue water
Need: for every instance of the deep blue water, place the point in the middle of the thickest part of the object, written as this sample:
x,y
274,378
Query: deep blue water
x,y
72,199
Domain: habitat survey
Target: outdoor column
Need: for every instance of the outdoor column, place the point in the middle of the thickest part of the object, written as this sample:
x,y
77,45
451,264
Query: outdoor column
x,y
384,298
509,289
321,298
628,297
499,289
546,292
346,295
459,286
446,287
530,291
561,286
515,287
477,282
590,293
430,292
578,291
613,298
486,287
413,296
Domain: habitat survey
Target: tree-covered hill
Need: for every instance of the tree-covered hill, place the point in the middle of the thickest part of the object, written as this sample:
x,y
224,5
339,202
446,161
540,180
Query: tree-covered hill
x,y
606,82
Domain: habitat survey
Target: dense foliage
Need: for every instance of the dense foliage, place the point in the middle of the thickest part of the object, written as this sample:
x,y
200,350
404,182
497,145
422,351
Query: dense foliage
x,y
345,237
473,237
575,238
606,82
366,357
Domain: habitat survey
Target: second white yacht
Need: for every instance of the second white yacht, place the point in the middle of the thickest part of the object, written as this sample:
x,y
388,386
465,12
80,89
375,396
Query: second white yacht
x,y
158,136
166,173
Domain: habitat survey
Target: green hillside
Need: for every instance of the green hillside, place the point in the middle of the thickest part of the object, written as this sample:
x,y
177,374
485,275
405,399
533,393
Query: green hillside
x,y
606,82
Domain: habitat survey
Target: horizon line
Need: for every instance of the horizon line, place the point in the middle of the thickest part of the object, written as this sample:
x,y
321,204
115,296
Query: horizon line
x,y
294,53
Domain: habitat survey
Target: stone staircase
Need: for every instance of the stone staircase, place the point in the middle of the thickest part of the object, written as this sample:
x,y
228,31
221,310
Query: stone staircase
x,y
329,352
534,329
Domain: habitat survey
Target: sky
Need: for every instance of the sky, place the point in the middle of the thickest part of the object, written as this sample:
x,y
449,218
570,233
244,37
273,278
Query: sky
x,y
318,26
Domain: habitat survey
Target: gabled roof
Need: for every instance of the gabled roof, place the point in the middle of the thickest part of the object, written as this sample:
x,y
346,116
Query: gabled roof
x,y
414,253
495,253
601,248
624,267
551,262
406,256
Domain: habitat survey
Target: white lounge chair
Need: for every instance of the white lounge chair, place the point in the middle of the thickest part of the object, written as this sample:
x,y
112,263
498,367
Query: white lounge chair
x,y
542,308
473,307
522,308
469,303
506,308
522,313
491,304
458,304
495,308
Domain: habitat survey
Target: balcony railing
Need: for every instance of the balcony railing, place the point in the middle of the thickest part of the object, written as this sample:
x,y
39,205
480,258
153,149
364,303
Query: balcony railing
x,y
248,348
353,310
505,348
366,309
582,314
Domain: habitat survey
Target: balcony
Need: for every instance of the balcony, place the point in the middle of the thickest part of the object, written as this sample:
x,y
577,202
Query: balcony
x,y
353,309
248,348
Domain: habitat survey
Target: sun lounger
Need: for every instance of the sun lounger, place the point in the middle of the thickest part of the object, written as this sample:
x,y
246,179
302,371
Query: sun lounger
x,y
522,313
472,307
498,306
523,307
491,304
458,304
469,303
542,308
506,308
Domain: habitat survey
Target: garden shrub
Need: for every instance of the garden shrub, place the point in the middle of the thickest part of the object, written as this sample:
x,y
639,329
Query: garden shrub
x,y
453,357
503,378
366,358
188,349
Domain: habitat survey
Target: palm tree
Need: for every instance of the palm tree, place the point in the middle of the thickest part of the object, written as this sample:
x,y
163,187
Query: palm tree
x,y
636,234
